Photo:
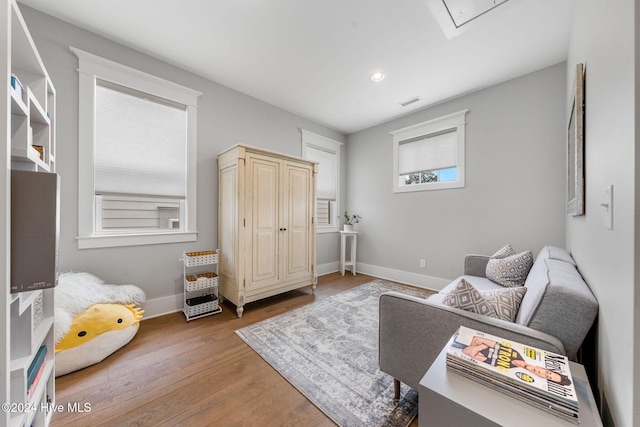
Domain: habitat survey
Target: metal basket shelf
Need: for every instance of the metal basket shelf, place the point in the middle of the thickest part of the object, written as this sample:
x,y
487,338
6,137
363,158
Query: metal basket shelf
x,y
194,259
198,281
202,308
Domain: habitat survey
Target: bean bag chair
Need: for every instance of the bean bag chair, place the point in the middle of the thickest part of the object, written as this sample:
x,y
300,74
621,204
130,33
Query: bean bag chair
x,y
92,319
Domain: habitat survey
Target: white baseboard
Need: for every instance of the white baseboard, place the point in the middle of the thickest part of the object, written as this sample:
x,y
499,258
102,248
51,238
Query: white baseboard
x,y
323,269
419,280
161,306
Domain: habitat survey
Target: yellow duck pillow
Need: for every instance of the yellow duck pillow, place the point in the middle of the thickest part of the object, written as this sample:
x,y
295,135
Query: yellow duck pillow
x,y
85,336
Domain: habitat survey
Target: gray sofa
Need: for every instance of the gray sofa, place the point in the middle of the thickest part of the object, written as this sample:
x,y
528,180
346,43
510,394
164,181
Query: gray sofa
x,y
557,311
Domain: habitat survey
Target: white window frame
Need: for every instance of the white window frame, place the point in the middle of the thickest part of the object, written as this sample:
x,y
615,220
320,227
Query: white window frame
x,y
310,139
90,68
431,127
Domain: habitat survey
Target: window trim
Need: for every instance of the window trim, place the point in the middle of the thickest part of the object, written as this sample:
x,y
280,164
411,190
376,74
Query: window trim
x,y
327,144
90,68
455,121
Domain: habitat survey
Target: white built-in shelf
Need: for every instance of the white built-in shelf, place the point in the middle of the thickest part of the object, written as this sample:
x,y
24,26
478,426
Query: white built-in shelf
x,y
30,115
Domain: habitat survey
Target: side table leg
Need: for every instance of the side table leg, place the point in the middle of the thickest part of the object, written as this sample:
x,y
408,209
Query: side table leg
x,y
342,253
353,254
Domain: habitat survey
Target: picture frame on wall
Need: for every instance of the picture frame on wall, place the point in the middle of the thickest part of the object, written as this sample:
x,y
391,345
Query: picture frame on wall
x,y
575,147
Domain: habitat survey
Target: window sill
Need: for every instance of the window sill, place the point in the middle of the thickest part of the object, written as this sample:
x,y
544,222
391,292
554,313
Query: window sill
x,y
429,186
116,240
323,230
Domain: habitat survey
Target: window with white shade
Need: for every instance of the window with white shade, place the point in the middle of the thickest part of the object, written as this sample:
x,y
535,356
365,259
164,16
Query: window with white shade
x,y
326,152
430,155
137,177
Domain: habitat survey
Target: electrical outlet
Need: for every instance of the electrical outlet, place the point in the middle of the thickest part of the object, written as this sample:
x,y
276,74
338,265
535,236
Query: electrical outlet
x,y
423,263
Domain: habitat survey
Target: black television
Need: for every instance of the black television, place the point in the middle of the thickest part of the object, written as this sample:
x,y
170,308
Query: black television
x,y
35,226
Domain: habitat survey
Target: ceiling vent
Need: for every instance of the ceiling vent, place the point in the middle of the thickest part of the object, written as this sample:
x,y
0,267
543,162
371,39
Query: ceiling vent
x,y
411,101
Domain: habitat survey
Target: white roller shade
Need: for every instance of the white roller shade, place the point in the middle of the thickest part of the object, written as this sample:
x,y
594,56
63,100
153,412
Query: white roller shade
x,y
327,172
429,153
140,143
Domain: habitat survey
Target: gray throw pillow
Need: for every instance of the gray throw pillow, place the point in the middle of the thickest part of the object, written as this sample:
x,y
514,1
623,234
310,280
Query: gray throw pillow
x,y
509,269
466,297
505,302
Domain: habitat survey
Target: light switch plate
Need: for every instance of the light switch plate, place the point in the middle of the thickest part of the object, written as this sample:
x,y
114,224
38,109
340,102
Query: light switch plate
x,y
608,207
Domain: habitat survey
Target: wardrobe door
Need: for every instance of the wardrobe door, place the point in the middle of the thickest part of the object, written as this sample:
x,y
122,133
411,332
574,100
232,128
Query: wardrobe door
x,y
297,216
228,222
262,228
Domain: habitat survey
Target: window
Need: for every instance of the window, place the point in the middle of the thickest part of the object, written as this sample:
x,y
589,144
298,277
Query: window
x,y
137,157
326,152
430,155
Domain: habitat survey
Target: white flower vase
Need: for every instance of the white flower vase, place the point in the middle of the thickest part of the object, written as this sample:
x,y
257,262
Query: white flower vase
x,y
348,227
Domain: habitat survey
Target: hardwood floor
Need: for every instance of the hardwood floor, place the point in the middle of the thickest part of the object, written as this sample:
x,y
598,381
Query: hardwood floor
x,y
199,373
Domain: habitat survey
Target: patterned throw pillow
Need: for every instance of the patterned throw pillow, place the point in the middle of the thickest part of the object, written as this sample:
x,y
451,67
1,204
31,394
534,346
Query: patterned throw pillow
x,y
499,303
508,268
505,302
504,252
466,297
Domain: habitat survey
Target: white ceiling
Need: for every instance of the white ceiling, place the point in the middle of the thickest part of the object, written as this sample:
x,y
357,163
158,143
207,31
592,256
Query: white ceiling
x,y
314,58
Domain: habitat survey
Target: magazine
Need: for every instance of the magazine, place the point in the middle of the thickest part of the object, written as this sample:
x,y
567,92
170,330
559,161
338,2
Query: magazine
x,y
569,414
539,377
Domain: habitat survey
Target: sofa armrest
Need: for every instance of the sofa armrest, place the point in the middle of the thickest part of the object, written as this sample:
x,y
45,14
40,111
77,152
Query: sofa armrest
x,y
414,330
476,265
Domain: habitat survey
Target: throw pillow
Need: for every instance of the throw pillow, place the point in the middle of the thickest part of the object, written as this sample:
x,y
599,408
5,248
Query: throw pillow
x,y
505,302
504,252
509,269
466,297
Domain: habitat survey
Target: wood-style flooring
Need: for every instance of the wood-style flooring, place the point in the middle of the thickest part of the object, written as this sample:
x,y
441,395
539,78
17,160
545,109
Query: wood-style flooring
x,y
199,373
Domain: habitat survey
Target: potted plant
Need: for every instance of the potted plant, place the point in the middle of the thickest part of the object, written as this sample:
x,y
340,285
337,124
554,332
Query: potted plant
x,y
348,220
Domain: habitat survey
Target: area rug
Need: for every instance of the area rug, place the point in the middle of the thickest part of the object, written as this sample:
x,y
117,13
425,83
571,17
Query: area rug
x,y
329,351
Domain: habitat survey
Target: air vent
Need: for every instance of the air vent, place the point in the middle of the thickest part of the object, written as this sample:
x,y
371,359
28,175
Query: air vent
x,y
411,101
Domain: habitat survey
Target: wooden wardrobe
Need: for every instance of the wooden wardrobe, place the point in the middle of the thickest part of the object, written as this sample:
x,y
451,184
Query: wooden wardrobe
x,y
266,230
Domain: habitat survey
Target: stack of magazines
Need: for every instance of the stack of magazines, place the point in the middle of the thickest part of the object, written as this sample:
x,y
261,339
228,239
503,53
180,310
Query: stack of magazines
x,y
535,376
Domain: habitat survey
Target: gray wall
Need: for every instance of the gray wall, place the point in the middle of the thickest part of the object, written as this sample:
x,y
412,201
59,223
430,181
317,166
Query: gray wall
x,y
602,38
225,117
515,184
514,192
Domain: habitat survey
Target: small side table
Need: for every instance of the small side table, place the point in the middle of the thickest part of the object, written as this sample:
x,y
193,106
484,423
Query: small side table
x,y
447,398
343,244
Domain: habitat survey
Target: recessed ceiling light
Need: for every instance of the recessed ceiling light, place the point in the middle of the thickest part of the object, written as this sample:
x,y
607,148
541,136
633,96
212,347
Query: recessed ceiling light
x,y
377,77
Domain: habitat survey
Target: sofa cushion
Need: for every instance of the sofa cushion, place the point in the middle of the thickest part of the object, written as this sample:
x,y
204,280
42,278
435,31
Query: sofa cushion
x,y
466,297
536,285
567,307
480,283
509,269
538,279
553,252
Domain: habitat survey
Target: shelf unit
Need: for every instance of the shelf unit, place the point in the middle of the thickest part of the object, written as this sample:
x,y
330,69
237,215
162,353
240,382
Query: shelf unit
x,y
200,287
28,123
31,328
33,103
